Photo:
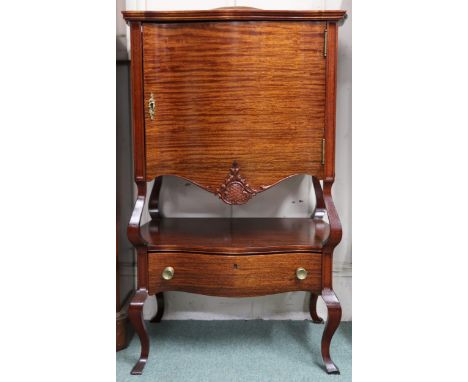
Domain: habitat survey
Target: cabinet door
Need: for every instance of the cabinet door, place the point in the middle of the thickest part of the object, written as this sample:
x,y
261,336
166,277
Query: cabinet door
x,y
252,93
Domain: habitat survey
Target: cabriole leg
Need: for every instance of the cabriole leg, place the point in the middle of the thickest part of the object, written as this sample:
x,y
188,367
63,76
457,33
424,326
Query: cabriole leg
x,y
334,317
160,311
135,314
313,309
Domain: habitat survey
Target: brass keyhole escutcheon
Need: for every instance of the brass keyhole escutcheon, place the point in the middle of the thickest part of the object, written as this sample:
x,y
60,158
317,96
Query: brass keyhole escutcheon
x,y
168,273
301,273
151,107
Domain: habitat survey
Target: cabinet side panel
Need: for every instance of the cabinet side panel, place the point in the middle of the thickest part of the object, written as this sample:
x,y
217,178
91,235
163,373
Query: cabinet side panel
x,y
330,117
137,102
250,92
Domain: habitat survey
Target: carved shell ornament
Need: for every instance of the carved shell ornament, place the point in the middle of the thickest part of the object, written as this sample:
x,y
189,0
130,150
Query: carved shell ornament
x,y
235,189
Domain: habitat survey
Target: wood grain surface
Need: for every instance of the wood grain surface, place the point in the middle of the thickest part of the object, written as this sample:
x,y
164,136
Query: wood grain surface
x,y
235,236
239,276
138,127
234,14
251,92
244,98
330,116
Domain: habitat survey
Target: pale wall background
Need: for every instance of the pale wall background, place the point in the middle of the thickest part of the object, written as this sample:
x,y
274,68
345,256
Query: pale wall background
x,y
292,198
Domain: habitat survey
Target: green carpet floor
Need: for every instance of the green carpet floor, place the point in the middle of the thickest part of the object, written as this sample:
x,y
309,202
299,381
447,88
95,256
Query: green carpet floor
x,y
237,351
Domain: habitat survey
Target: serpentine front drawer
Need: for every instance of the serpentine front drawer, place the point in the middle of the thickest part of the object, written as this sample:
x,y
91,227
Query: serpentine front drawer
x,y
234,275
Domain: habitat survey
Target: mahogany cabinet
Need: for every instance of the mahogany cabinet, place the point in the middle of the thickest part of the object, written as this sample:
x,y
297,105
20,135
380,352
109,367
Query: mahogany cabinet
x,y
234,100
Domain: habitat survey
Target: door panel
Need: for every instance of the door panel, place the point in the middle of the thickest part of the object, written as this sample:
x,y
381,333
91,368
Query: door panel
x,y
246,92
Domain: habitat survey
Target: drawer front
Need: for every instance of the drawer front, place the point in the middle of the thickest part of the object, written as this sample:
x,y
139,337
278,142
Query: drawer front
x,y
250,92
234,276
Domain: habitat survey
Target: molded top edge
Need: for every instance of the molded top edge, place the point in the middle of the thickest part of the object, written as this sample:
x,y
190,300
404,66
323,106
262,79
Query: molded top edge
x,y
233,14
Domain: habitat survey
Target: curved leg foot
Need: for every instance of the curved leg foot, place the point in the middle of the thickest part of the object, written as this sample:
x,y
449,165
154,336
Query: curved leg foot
x,y
313,309
160,311
334,317
135,314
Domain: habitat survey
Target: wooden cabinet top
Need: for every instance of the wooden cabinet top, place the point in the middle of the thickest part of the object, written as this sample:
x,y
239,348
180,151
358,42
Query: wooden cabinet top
x,y
233,14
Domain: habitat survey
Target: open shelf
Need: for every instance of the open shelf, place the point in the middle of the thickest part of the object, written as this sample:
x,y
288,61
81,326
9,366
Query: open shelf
x,y
236,235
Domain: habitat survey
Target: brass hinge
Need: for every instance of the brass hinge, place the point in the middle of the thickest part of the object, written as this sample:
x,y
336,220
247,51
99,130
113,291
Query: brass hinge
x,y
323,151
325,37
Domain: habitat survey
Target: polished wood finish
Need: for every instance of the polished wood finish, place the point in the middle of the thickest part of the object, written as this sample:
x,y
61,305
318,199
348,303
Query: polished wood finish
x,y
328,295
333,320
135,314
244,98
138,127
235,236
235,189
234,276
153,203
155,213
249,95
233,14
313,309
160,308
330,109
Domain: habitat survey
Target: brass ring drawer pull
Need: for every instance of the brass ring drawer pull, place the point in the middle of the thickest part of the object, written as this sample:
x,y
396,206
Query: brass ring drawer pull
x,y
301,273
168,273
